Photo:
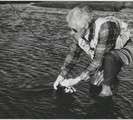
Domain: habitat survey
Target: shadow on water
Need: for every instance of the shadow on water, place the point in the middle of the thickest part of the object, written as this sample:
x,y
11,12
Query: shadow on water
x,y
42,101
95,107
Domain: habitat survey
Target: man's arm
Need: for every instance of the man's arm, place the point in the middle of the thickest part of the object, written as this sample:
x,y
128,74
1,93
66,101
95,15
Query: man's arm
x,y
71,59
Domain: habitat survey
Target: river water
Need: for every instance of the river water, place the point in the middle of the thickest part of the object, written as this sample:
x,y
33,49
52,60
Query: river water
x,y
30,64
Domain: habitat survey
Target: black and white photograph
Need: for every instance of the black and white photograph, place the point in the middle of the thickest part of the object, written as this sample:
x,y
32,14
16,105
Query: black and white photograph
x,y
66,59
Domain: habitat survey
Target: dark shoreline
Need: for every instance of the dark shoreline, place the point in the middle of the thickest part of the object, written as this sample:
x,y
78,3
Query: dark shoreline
x,y
95,5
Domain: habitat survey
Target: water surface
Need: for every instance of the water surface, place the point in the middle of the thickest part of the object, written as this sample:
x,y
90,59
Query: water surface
x,y
29,64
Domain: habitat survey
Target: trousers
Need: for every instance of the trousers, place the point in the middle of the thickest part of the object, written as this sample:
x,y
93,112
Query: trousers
x,y
113,62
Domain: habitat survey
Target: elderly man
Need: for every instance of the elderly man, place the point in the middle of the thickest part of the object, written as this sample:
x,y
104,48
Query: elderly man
x,y
106,40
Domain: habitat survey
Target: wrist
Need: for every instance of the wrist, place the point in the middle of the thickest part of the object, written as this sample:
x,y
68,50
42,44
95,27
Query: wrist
x,y
78,78
84,76
60,78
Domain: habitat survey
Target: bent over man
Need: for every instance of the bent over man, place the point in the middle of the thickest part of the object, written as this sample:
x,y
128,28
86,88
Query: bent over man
x,y
106,40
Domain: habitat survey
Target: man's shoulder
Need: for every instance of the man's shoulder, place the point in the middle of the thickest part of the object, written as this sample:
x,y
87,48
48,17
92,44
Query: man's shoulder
x,y
107,22
106,19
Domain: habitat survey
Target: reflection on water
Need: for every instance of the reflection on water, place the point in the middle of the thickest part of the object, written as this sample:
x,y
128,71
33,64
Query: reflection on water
x,y
29,66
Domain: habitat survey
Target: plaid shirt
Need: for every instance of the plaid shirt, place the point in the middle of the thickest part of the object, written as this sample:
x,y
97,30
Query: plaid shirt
x,y
108,34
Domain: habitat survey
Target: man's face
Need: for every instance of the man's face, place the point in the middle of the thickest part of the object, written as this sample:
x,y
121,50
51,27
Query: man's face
x,y
76,30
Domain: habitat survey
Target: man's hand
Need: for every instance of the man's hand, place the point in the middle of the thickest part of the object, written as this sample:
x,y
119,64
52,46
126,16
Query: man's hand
x,y
70,82
58,81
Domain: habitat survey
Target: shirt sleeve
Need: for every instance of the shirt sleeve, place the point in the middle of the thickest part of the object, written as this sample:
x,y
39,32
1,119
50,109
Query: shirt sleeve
x,y
106,40
71,59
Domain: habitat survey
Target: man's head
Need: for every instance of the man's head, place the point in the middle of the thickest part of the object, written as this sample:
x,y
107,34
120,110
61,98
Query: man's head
x,y
79,17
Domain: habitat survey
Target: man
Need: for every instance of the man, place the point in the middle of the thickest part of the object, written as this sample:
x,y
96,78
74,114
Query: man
x,y
106,40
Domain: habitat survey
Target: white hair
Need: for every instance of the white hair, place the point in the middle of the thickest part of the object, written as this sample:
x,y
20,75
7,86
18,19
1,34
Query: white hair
x,y
79,15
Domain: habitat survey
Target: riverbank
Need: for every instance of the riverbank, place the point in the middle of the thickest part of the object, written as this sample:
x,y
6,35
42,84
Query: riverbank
x,y
95,5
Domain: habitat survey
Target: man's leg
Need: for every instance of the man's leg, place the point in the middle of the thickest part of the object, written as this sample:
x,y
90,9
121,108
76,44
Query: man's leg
x,y
113,62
